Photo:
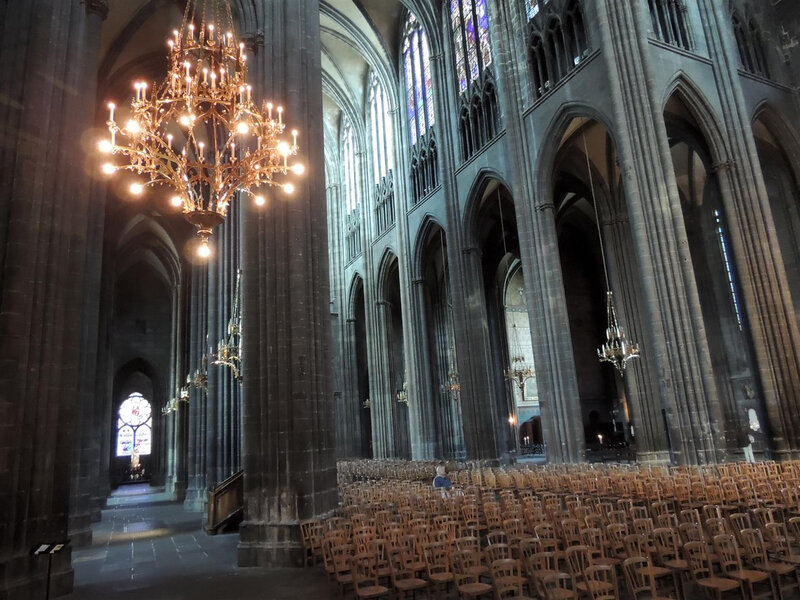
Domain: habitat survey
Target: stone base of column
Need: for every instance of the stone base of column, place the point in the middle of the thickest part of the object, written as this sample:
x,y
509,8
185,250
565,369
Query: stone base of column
x,y
25,577
178,491
787,454
654,457
270,545
195,500
80,530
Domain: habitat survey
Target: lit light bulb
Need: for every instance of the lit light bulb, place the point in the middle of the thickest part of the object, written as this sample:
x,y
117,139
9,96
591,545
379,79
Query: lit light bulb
x,y
136,189
176,201
109,169
298,168
185,120
242,127
260,200
288,188
204,251
283,148
133,127
104,146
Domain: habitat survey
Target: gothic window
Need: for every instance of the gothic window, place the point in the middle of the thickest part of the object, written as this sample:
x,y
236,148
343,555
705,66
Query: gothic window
x,y
351,192
576,33
382,155
557,44
419,86
419,101
473,50
750,46
350,169
134,426
724,248
473,55
668,18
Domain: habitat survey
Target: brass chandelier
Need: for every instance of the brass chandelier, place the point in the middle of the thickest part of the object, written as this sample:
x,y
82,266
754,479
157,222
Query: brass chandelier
x,y
616,349
200,133
519,371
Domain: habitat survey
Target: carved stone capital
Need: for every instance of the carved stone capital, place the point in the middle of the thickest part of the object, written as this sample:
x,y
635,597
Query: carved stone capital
x,y
253,41
98,7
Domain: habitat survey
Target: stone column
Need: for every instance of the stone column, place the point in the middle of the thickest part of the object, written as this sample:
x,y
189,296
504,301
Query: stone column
x,y
383,417
198,345
288,450
422,423
671,302
48,54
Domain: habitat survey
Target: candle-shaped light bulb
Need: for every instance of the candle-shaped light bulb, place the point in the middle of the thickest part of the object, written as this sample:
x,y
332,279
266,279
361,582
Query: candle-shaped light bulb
x,y
191,32
269,110
111,107
205,75
294,137
169,140
213,80
280,115
249,89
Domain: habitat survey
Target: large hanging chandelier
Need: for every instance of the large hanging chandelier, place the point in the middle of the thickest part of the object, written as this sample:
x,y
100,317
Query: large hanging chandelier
x,y
200,133
616,349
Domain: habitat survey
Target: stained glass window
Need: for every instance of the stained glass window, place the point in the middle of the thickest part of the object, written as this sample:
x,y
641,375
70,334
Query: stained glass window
x,y
419,84
532,8
381,130
350,168
473,51
134,426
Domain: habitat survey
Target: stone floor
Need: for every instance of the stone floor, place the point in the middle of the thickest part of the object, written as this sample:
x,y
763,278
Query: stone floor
x,y
149,548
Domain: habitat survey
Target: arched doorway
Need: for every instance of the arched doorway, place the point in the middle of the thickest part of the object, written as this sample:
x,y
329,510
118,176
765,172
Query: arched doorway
x,y
395,346
445,383
725,324
586,172
360,368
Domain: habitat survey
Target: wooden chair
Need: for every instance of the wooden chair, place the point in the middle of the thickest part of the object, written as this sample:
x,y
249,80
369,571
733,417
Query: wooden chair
x,y
438,567
783,575
365,578
666,542
780,545
465,568
342,575
495,552
507,579
638,580
703,574
556,586
404,579
601,583
731,565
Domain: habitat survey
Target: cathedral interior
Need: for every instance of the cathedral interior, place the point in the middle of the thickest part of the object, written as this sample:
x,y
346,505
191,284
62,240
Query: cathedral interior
x,y
520,237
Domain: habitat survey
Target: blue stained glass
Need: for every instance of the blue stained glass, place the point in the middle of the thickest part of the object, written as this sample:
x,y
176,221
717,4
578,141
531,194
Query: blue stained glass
x,y
419,89
411,107
532,8
472,51
426,58
458,39
483,32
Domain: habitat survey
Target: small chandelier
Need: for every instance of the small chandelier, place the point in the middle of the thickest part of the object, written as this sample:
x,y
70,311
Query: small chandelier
x,y
229,350
200,133
402,395
616,349
519,371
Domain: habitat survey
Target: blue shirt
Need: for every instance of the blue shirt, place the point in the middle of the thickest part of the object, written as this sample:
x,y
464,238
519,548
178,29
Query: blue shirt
x,y
442,481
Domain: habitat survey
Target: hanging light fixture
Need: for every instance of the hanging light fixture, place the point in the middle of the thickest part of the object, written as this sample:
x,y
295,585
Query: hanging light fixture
x,y
229,349
200,133
452,386
616,349
519,371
